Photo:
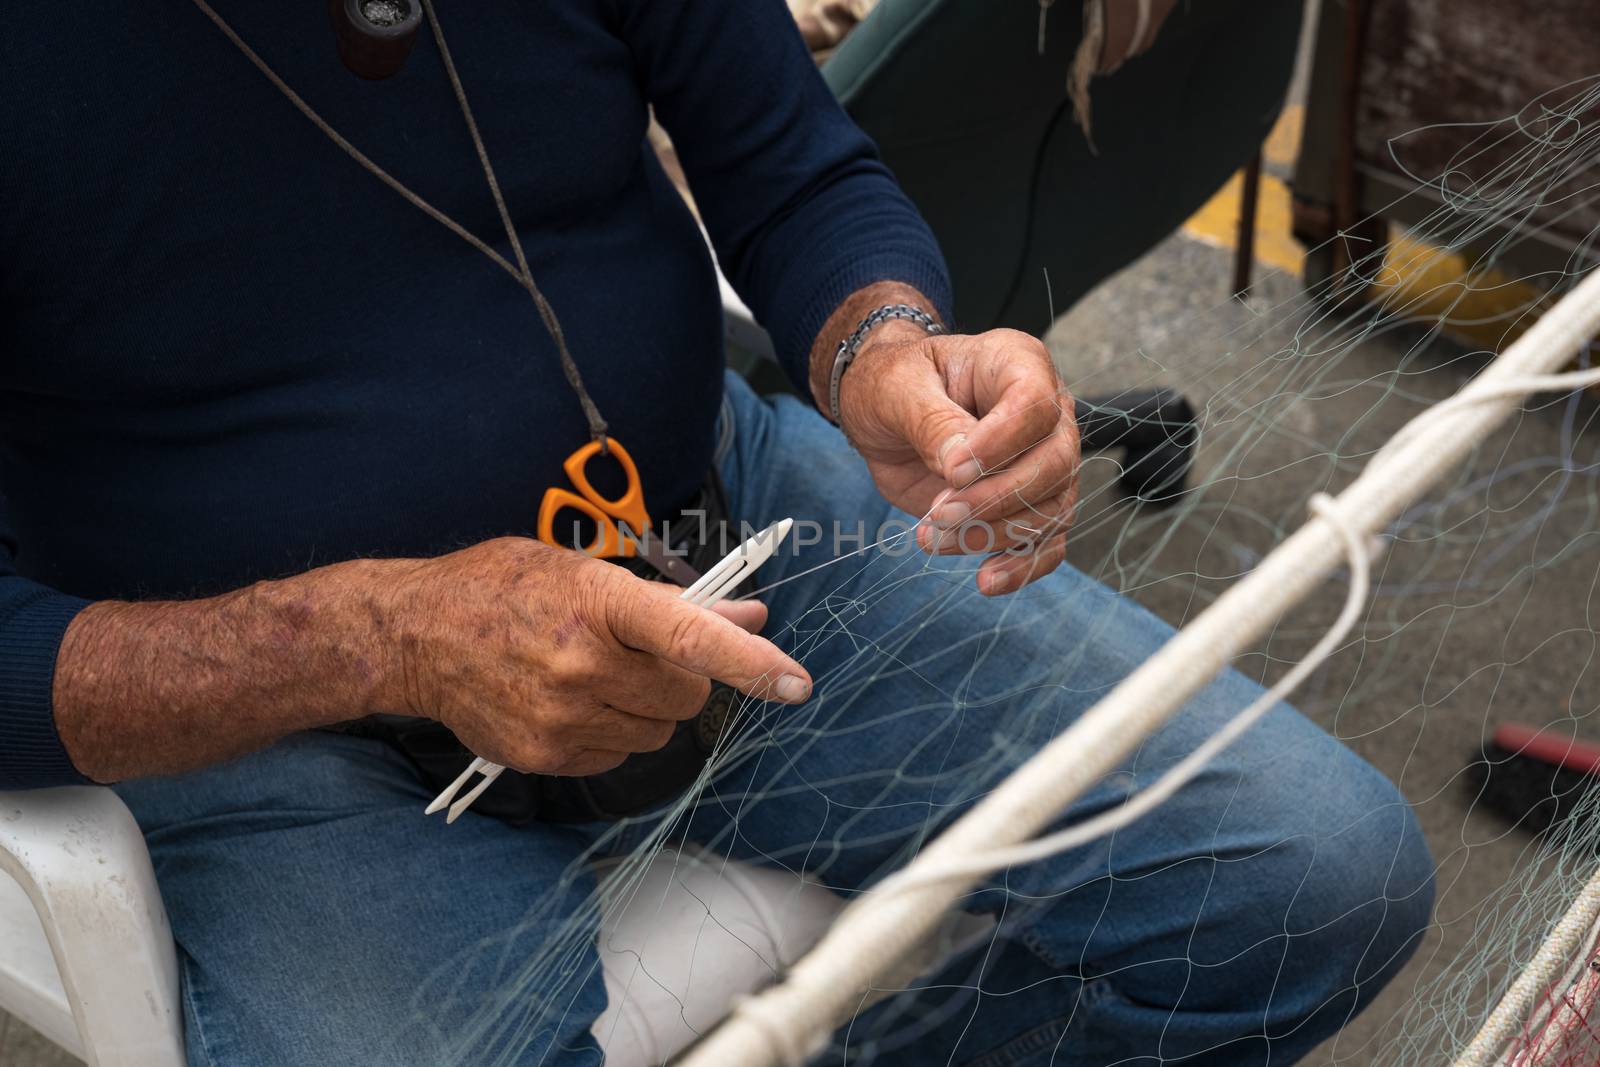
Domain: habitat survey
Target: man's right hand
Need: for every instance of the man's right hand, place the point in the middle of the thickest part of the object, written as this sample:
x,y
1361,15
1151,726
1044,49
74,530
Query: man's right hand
x,y
551,662
536,657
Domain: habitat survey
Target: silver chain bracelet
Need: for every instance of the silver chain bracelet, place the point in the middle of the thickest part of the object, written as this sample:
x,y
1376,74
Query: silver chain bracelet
x,y
849,346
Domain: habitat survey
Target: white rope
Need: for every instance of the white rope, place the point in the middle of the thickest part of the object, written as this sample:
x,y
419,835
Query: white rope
x,y
1553,959
787,1048
1558,1017
1324,508
1510,388
877,932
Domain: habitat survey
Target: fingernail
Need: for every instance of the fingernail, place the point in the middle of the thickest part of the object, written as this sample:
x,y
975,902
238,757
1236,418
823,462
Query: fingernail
x,y
951,515
792,689
966,473
994,582
950,442
944,494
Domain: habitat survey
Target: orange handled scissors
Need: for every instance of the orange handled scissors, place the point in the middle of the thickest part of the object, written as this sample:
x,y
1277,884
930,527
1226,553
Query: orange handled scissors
x,y
628,509
610,516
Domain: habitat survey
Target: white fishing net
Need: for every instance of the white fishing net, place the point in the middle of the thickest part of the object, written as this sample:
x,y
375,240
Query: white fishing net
x,y
1482,610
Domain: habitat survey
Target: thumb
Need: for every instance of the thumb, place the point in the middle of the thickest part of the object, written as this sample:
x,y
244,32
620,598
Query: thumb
x,y
934,424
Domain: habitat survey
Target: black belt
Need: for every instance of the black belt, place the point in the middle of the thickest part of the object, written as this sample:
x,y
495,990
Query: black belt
x,y
644,779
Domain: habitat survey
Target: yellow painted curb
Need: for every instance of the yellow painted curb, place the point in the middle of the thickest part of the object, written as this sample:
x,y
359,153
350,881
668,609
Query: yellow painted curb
x,y
1217,223
1479,307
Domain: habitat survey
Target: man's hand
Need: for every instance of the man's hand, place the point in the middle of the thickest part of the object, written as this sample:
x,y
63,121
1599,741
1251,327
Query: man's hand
x,y
538,658
975,432
551,662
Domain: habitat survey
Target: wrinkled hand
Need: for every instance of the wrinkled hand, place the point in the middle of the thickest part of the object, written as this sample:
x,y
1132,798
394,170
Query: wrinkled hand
x,y
551,662
979,431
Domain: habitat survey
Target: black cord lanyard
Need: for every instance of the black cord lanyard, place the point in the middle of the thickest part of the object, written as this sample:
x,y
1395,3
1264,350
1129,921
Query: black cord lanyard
x,y
520,271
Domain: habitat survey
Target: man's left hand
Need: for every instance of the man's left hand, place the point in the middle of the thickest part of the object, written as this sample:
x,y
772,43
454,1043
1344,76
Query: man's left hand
x,y
976,433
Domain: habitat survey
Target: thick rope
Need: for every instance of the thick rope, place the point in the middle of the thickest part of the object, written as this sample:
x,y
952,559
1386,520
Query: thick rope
x,y
1505,1024
879,929
1360,555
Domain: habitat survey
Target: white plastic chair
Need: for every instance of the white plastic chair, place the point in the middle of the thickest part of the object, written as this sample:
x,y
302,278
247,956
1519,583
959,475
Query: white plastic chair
x,y
86,956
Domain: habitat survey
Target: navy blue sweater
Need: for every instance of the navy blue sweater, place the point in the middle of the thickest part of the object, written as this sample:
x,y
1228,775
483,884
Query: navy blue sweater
x,y
228,354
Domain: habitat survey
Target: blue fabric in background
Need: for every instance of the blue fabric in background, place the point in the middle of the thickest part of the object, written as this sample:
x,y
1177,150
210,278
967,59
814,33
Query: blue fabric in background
x,y
227,353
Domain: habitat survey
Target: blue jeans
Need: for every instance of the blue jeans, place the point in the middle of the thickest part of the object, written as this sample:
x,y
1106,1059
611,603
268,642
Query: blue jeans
x,y
321,919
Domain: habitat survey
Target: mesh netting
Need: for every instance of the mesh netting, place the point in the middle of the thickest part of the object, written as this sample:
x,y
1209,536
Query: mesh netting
x,y
1482,611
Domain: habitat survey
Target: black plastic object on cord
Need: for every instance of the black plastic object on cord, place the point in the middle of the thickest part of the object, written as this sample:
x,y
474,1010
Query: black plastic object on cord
x,y
375,36
1157,429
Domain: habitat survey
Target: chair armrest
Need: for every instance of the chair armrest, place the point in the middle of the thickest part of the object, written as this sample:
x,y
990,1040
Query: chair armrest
x,y
739,325
79,856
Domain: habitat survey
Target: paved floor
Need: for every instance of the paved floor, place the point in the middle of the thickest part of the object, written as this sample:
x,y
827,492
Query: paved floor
x,y
22,1047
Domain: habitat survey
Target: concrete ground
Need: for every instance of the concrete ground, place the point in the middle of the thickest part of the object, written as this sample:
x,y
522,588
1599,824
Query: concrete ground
x,y
22,1047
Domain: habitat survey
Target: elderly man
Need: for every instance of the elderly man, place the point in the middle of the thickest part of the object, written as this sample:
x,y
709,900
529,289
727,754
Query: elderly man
x,y
274,450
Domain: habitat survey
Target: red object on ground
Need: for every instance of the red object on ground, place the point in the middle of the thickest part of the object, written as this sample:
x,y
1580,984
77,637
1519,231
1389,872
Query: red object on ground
x,y
1548,746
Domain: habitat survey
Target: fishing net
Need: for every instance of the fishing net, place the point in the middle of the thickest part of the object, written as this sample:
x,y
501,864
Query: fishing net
x,y
1482,610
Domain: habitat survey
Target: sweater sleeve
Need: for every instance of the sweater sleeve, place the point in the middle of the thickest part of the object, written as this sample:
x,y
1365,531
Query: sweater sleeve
x,y
32,619
800,210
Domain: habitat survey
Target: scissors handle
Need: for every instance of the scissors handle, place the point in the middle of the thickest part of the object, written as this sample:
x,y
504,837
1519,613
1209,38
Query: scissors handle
x,y
627,510
629,507
608,540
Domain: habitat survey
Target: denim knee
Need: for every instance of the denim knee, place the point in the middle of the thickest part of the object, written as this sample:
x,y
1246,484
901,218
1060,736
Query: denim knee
x,y
1362,906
